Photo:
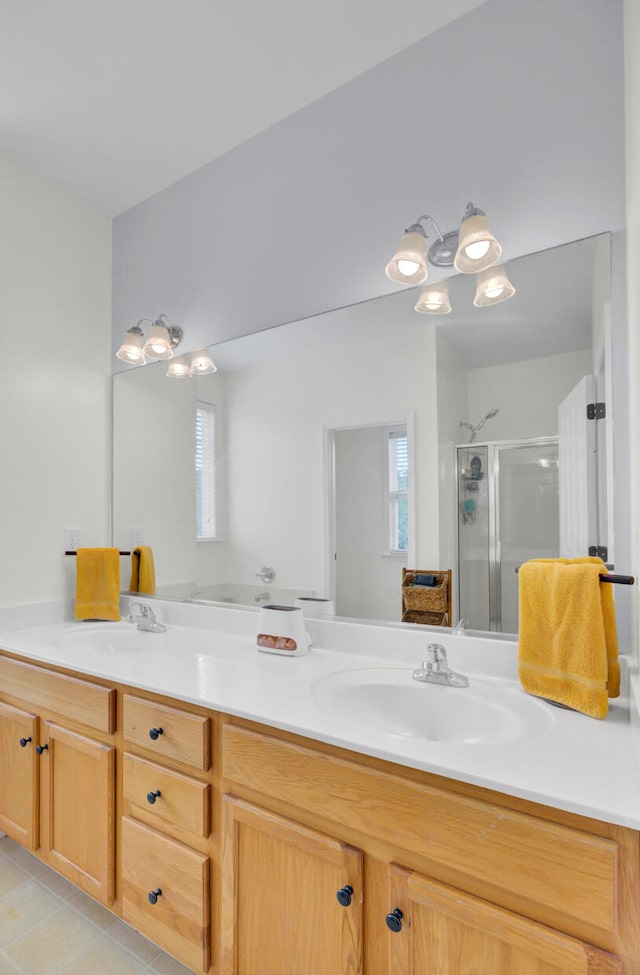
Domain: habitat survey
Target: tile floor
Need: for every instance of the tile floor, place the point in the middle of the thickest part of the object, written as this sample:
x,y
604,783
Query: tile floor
x,y
48,927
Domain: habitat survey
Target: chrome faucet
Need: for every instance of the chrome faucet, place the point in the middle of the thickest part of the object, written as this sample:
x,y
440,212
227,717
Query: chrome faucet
x,y
435,669
146,620
267,573
262,597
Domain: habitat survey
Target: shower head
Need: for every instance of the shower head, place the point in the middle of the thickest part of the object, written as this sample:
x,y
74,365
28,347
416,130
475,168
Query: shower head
x,y
476,429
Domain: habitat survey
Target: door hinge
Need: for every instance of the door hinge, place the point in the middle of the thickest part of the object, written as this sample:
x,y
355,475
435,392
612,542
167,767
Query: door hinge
x,y
600,552
596,411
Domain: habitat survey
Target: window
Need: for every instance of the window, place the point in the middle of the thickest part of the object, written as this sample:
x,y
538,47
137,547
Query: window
x,y
397,501
205,472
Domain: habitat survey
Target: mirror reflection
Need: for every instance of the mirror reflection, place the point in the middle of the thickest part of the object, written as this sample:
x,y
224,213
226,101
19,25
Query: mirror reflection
x,y
326,456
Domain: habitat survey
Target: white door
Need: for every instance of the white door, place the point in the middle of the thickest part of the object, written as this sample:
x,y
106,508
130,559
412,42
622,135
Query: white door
x,y
577,468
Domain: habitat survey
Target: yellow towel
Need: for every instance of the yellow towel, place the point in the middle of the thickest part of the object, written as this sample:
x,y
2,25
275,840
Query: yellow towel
x,y
143,573
97,584
568,643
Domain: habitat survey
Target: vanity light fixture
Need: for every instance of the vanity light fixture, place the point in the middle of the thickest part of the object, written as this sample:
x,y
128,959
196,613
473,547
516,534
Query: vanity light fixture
x,y
132,348
472,248
477,247
178,368
492,287
434,300
202,364
163,339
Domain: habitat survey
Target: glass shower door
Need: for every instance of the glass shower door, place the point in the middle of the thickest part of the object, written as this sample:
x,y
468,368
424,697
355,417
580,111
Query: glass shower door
x,y
474,536
527,519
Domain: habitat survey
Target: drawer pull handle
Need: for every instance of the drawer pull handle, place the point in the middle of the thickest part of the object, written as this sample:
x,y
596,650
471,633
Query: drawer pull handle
x,y
24,742
41,748
153,896
152,796
344,895
154,733
394,920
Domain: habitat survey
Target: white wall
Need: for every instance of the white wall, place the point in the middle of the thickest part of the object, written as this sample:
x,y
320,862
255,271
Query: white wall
x,y
632,109
55,381
526,394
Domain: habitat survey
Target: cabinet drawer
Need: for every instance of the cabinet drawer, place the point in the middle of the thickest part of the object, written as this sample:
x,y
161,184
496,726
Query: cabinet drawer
x,y
77,700
183,803
178,879
168,732
563,877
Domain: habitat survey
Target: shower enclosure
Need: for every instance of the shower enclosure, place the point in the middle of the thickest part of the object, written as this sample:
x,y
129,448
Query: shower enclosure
x,y
508,512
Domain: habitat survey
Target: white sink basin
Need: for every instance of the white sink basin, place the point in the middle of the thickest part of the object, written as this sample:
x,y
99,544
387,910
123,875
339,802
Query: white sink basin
x,y
388,700
108,638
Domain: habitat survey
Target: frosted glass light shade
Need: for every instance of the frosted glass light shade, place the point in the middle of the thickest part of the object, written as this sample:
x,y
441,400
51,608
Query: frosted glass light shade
x,y
477,246
132,349
202,363
492,287
178,369
409,263
158,345
434,300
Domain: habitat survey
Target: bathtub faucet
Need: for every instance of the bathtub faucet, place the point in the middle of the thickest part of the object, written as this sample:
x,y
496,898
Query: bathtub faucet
x,y
267,573
262,597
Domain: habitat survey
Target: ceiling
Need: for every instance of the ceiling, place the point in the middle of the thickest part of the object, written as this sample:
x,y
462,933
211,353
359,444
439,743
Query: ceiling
x,y
116,101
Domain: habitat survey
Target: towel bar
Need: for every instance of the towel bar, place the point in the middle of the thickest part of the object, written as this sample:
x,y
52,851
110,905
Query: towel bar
x,y
75,553
611,577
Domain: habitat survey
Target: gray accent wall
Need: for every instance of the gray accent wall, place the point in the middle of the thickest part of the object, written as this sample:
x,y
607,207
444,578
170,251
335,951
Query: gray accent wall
x,y
517,105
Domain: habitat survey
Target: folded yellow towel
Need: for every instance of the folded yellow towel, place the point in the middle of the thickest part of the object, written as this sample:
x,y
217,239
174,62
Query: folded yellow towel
x,y
568,643
97,584
143,573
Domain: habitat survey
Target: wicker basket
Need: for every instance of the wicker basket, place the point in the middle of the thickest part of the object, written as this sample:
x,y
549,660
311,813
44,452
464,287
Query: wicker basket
x,y
430,619
426,599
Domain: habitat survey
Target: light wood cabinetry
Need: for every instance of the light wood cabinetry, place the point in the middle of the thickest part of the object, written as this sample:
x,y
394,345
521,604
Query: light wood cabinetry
x,y
444,931
477,885
57,785
167,797
291,897
247,851
78,809
18,776
165,893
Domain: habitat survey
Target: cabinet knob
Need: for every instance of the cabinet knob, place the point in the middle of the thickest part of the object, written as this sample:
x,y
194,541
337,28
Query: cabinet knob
x,y
154,733
24,742
153,895
41,748
152,796
344,895
394,920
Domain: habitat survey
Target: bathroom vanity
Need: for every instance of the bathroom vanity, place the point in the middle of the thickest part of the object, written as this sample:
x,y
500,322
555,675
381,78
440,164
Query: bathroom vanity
x,y
241,846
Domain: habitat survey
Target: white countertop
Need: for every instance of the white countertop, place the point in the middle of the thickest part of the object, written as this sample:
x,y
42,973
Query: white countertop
x,y
208,657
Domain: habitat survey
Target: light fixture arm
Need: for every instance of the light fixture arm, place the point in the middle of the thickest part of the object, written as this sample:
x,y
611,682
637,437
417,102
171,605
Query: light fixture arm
x,y
417,228
472,211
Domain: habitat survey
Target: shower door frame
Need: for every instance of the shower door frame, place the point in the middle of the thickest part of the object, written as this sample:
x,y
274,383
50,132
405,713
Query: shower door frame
x,y
494,448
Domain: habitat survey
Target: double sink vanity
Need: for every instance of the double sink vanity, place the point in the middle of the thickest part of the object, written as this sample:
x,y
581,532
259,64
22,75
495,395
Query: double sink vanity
x,y
255,815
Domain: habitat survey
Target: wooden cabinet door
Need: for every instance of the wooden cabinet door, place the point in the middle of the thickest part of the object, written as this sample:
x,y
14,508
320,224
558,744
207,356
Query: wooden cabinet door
x,y
280,910
78,809
445,932
18,776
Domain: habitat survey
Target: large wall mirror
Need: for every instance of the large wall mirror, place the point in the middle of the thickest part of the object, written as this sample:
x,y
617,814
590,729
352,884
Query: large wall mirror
x,y
339,450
